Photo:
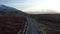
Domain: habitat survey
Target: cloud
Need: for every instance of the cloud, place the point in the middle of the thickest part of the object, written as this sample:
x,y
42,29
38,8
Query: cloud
x,y
44,5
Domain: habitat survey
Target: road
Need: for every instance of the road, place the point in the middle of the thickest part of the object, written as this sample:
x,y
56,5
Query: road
x,y
31,29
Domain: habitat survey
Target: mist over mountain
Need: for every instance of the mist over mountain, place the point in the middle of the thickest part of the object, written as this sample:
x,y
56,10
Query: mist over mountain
x,y
42,12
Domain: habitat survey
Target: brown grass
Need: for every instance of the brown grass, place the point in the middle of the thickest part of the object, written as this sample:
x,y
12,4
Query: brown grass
x,y
48,23
11,24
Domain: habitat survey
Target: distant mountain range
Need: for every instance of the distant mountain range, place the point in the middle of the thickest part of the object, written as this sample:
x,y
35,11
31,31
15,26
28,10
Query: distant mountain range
x,y
9,10
42,12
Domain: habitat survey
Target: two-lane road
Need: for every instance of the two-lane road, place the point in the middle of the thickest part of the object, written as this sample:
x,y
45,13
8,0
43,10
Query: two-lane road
x,y
31,29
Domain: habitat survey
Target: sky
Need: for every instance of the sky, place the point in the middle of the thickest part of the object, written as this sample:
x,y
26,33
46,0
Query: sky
x,y
33,5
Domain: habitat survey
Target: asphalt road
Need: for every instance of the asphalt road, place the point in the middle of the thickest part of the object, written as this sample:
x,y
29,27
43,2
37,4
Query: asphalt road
x,y
31,29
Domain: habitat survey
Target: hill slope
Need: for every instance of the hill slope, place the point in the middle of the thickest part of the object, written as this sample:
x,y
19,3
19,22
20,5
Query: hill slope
x,y
9,10
11,20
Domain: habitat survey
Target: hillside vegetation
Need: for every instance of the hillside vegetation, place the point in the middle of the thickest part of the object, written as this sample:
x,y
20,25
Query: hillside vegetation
x,y
48,23
12,20
11,24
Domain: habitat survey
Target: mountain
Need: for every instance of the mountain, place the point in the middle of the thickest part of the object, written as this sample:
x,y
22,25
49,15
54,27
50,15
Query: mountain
x,y
12,21
9,10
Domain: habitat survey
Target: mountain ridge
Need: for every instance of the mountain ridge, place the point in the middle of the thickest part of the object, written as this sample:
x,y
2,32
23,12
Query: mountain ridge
x,y
10,10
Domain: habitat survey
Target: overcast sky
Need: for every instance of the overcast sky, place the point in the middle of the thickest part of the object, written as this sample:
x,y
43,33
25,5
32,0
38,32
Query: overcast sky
x,y
33,5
